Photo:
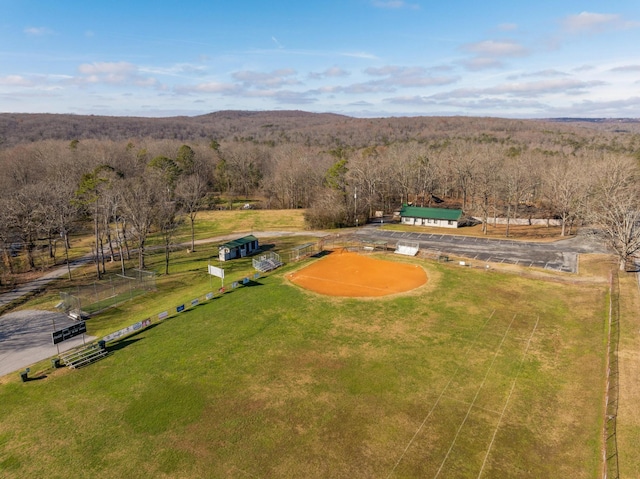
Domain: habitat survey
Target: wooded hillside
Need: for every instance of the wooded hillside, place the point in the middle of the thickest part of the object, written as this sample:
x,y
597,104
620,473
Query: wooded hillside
x,y
132,176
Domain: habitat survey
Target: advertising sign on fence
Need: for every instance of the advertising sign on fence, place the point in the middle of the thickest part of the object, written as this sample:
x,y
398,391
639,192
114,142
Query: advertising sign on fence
x,y
180,308
128,330
68,333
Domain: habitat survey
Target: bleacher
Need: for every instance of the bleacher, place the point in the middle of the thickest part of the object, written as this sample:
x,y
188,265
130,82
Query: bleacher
x,y
83,356
407,249
267,262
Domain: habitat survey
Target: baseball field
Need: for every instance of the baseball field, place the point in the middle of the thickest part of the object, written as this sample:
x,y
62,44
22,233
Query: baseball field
x,y
463,373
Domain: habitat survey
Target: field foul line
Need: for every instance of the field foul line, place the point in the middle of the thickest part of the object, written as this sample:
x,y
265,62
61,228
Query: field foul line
x,y
467,352
343,283
467,403
455,438
513,385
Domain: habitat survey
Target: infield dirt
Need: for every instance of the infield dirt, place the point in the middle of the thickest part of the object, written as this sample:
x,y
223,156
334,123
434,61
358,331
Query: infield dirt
x,y
354,275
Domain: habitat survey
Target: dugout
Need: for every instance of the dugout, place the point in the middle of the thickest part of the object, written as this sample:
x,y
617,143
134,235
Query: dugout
x,y
238,248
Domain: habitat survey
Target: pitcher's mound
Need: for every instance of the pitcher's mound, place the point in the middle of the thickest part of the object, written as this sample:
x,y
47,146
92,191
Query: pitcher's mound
x,y
354,275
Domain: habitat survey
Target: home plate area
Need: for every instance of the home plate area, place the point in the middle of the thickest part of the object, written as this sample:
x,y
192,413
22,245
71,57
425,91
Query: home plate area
x,y
350,274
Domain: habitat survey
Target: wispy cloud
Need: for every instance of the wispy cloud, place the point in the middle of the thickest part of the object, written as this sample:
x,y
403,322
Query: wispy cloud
x,y
38,31
489,53
113,73
394,4
524,89
400,76
15,80
549,73
626,69
210,87
588,22
264,80
492,48
333,72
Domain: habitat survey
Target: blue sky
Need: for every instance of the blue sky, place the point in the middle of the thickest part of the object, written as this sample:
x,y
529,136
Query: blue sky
x,y
365,58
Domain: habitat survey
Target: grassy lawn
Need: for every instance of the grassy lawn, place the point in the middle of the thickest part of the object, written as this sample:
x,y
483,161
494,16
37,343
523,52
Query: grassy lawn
x,y
628,430
210,224
476,371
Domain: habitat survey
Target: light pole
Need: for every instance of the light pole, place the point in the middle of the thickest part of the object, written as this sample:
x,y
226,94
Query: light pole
x,y
355,205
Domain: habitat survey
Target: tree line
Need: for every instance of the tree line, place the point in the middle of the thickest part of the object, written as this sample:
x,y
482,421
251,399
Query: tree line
x,y
127,190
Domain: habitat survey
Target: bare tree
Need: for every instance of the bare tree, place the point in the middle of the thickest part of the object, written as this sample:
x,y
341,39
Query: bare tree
x,y
615,206
190,194
488,169
565,188
139,205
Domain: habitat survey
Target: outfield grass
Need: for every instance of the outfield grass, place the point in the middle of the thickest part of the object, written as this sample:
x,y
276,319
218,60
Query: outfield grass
x,y
476,371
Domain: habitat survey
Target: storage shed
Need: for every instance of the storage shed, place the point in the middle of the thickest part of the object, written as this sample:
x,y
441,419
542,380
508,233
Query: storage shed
x,y
238,248
421,216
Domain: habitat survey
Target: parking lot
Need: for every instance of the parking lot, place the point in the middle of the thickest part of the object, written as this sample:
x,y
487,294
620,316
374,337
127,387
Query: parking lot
x,y
560,255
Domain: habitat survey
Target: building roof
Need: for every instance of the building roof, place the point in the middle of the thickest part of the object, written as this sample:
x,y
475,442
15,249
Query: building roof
x,y
430,213
238,242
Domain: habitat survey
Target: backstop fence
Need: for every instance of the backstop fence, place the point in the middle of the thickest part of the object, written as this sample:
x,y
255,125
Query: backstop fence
x,y
110,291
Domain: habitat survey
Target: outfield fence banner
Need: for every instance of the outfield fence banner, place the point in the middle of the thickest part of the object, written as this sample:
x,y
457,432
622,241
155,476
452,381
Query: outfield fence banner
x,y
215,271
163,315
194,302
209,296
180,308
128,330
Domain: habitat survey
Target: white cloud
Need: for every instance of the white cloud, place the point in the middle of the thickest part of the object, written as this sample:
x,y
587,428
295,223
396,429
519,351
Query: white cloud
x,y
211,87
489,53
38,31
548,73
481,63
113,73
15,80
407,77
588,22
333,72
362,55
179,69
525,90
394,4
626,69
262,80
492,48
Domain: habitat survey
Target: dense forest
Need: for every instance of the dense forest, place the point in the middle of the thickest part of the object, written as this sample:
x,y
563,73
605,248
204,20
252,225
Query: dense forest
x,y
130,177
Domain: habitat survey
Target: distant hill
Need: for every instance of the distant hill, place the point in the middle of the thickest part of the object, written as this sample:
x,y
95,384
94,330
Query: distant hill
x,y
325,129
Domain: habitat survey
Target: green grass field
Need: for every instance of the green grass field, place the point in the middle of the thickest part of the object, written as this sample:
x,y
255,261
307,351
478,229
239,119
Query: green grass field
x,y
476,374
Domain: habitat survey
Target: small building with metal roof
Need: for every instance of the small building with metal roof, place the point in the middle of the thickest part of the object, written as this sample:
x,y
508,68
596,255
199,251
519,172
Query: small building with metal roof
x,y
421,216
238,248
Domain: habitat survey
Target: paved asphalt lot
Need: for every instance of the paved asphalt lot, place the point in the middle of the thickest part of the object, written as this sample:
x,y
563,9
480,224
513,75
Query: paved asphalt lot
x,y
559,255
25,338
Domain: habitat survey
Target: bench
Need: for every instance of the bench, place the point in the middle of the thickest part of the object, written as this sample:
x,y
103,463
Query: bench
x,y
86,355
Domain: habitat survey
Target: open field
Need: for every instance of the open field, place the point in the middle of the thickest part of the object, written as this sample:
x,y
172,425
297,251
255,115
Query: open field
x,y
481,374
